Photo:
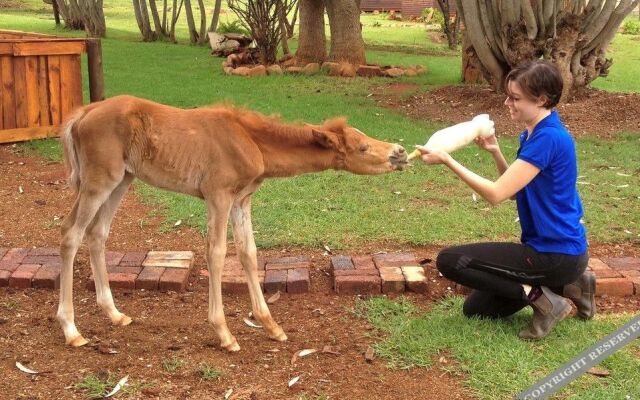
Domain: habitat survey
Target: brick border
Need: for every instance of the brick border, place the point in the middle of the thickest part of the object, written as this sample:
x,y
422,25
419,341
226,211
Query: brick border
x,y
376,274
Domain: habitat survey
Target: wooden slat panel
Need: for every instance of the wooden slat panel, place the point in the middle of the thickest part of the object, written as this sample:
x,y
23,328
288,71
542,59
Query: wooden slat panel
x,y
70,84
43,92
20,92
21,134
6,48
45,47
1,98
33,103
9,34
8,98
53,69
77,94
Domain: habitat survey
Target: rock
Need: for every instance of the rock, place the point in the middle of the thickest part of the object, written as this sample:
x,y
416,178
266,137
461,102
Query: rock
x,y
394,72
215,40
347,70
232,60
289,62
274,70
410,72
294,70
332,68
420,69
326,67
311,69
369,70
259,70
230,45
228,70
241,71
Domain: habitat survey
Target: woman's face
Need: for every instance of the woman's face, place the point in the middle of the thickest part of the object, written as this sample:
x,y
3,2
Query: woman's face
x,y
521,107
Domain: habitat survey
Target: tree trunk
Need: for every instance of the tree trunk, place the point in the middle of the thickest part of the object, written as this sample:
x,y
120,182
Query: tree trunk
x,y
70,15
347,44
312,43
159,28
202,35
471,68
191,24
573,34
282,19
449,27
216,16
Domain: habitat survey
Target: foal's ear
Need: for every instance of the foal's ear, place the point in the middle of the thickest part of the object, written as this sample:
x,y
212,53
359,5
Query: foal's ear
x,y
326,139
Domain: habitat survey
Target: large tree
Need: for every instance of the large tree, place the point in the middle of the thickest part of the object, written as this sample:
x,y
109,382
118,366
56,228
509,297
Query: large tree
x,y
573,34
312,43
83,14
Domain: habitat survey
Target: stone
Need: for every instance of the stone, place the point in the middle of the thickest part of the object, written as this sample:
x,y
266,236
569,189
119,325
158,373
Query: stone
x,y
133,259
630,273
298,280
341,263
289,259
347,70
228,70
420,69
623,263
47,277
606,273
113,257
240,71
363,262
259,70
15,255
149,278
311,69
416,280
44,251
118,269
392,280
410,72
596,264
634,280
394,72
3,251
4,278
53,260
274,69
275,280
288,62
215,40
327,67
357,285
369,71
234,285
293,70
21,278
395,260
614,287
122,281
285,266
169,259
9,266
356,272
173,279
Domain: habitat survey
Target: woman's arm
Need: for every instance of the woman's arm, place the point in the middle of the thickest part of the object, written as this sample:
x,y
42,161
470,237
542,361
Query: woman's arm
x,y
514,178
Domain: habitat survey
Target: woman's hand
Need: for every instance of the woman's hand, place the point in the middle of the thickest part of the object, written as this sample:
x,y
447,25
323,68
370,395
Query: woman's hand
x,y
489,143
432,156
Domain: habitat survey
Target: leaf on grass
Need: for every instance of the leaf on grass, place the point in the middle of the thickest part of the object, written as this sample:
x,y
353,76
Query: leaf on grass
x,y
620,186
228,394
621,174
251,323
25,369
178,223
601,372
293,381
274,298
118,387
474,197
301,353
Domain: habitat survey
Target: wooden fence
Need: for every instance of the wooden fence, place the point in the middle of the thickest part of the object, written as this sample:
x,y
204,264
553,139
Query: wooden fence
x,y
41,83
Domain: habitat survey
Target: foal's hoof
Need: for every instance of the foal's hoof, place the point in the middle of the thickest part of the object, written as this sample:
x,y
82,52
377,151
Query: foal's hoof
x,y
77,341
278,336
123,321
231,347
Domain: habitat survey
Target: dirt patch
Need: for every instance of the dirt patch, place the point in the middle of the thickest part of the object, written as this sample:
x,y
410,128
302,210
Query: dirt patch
x,y
34,199
592,112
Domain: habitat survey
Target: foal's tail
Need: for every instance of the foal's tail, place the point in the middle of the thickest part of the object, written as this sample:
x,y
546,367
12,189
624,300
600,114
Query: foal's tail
x,y
70,156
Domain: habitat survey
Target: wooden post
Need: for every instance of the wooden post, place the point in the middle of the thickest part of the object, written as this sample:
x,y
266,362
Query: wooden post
x,y
96,76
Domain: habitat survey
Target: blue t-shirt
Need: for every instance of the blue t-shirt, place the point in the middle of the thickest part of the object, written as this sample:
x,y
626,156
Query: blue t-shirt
x,y
549,206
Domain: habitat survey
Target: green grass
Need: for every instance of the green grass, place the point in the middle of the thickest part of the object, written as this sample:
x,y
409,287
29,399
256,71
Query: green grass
x,y
209,373
494,362
339,209
173,364
94,387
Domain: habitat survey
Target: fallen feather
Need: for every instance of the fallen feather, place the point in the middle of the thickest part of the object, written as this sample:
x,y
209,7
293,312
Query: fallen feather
x,y
327,248
585,183
621,186
118,387
251,323
178,223
20,190
274,298
25,369
301,353
228,394
621,174
293,381
474,197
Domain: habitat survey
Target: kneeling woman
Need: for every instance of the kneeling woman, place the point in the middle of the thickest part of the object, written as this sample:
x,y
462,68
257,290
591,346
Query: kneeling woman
x,y
551,260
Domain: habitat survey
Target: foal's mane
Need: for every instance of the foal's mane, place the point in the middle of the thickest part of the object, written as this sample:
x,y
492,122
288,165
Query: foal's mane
x,y
272,128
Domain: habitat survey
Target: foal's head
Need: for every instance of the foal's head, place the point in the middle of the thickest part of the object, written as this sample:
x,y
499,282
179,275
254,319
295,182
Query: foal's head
x,y
359,153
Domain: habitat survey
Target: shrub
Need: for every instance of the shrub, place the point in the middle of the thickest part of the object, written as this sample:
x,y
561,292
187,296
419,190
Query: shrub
x,y
234,26
631,27
433,16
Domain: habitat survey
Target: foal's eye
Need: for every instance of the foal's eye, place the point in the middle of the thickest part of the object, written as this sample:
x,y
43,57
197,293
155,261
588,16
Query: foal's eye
x,y
364,148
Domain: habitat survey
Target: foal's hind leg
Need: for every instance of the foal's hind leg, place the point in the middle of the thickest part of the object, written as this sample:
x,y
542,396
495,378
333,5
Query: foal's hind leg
x,y
97,234
87,204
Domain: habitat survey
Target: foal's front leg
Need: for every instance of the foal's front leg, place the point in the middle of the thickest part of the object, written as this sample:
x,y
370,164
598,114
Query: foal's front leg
x,y
218,209
246,249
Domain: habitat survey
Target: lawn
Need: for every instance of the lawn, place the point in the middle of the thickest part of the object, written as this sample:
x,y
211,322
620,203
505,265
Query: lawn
x,y
424,205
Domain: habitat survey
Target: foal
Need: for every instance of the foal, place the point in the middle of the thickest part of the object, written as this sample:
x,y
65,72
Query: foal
x,y
219,154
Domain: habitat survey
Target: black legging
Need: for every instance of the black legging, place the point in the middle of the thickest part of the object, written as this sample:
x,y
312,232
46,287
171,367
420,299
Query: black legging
x,y
496,272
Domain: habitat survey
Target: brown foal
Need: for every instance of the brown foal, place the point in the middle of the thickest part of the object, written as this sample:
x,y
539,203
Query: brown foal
x,y
219,154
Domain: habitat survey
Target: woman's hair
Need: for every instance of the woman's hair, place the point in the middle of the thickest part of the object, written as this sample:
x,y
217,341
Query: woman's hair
x,y
537,78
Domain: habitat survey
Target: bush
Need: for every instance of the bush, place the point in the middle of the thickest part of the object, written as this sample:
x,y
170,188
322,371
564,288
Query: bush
x,y
433,16
631,27
234,26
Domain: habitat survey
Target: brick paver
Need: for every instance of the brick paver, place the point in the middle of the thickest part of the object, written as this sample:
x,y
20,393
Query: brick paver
x,y
170,270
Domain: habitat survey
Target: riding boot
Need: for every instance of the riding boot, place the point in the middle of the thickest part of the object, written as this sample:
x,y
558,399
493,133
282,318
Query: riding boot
x,y
582,292
548,309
